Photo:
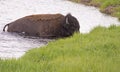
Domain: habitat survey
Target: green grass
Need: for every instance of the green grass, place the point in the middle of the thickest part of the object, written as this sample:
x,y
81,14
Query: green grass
x,y
104,4
98,51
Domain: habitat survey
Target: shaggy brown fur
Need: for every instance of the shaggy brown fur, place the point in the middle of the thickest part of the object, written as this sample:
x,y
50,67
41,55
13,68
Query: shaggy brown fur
x,y
44,25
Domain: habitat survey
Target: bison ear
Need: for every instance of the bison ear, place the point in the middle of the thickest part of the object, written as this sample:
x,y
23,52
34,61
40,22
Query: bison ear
x,y
66,20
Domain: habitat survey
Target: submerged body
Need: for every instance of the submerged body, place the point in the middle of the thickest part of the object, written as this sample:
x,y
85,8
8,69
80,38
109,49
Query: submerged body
x,y
45,25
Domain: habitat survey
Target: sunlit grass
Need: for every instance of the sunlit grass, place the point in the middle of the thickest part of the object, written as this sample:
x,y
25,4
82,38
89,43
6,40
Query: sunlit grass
x,y
98,51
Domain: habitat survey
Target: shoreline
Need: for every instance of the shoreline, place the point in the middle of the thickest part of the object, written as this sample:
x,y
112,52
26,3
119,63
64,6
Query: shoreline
x,y
106,7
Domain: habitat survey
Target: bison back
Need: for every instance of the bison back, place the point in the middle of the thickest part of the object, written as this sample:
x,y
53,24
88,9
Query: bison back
x,y
38,25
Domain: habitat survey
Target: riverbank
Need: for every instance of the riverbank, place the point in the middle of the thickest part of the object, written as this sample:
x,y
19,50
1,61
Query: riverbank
x,y
110,7
98,51
12,45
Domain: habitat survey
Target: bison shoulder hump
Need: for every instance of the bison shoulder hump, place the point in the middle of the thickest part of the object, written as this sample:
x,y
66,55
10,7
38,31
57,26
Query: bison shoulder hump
x,y
43,17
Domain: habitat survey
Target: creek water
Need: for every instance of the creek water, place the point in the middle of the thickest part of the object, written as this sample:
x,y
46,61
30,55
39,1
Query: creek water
x,y
14,46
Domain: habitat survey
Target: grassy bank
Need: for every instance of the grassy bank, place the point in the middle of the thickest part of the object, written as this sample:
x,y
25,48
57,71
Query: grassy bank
x,y
111,7
98,51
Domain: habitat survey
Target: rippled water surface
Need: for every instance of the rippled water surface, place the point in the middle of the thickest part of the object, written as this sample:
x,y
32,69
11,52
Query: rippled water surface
x,y
13,45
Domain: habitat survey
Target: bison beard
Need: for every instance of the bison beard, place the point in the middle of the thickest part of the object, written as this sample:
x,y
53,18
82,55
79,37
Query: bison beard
x,y
45,25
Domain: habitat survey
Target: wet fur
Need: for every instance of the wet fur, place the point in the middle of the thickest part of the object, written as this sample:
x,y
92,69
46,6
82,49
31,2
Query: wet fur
x,y
45,25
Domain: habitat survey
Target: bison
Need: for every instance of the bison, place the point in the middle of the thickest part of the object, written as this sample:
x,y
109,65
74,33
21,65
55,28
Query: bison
x,y
45,25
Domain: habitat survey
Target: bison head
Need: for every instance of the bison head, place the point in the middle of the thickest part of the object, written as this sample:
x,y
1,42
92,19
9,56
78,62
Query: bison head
x,y
70,25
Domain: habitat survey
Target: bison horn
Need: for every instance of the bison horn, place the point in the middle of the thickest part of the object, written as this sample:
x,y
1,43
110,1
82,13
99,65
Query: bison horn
x,y
67,18
67,22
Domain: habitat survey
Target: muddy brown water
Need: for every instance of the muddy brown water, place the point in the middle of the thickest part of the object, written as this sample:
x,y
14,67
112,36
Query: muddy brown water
x,y
14,46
